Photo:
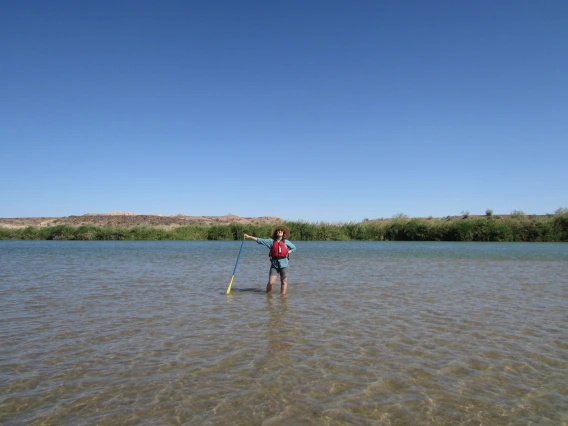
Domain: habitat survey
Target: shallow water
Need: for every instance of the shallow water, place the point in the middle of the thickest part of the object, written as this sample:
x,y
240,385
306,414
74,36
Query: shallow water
x,y
369,333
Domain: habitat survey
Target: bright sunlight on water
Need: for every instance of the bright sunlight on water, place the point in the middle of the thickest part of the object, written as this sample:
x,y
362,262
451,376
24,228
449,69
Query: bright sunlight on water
x,y
370,333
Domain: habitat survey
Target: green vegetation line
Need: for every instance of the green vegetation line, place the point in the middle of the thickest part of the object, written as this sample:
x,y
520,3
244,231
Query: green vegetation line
x,y
550,228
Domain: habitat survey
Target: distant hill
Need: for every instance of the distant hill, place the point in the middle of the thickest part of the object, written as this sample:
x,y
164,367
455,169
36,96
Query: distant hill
x,y
122,219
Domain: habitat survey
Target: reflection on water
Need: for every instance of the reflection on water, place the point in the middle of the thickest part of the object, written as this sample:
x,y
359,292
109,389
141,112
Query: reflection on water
x,y
369,333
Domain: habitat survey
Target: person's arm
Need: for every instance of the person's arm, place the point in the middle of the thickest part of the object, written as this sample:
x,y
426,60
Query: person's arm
x,y
267,242
291,247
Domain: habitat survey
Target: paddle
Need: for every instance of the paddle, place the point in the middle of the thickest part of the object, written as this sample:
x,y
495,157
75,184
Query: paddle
x,y
235,270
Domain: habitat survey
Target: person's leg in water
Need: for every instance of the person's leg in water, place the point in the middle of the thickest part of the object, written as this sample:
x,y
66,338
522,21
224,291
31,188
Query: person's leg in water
x,y
283,284
271,281
283,281
272,275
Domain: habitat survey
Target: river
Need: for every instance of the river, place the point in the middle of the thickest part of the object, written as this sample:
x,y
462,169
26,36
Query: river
x,y
370,333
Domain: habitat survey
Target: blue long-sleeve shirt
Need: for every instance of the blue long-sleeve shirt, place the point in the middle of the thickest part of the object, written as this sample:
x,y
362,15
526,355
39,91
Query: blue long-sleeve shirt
x,y
277,263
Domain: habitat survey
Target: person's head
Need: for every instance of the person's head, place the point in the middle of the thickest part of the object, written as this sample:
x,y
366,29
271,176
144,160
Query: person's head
x,y
280,231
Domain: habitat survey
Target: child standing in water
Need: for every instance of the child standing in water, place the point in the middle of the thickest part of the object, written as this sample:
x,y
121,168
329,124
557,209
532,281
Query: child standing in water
x,y
280,249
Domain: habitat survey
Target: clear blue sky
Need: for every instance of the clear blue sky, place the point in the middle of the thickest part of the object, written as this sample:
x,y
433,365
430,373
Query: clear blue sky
x,y
329,111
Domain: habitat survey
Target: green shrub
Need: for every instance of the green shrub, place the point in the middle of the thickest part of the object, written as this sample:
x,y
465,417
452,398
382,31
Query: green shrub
x,y
220,232
189,232
462,230
60,232
400,216
560,224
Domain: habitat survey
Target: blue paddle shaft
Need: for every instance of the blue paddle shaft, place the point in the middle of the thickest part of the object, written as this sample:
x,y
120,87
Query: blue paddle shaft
x,y
241,249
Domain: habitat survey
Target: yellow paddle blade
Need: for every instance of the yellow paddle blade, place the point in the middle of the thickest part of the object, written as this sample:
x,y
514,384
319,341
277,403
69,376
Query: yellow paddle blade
x,y
230,284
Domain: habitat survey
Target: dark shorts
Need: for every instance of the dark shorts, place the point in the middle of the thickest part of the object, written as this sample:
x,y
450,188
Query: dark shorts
x,y
283,272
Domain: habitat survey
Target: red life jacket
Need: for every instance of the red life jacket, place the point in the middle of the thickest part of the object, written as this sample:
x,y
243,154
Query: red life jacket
x,y
278,250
